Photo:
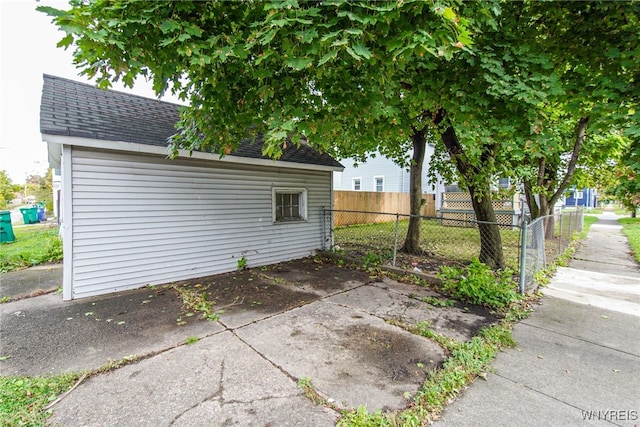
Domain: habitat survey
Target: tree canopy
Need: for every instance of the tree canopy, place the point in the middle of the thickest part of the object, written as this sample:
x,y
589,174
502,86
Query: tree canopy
x,y
515,89
328,70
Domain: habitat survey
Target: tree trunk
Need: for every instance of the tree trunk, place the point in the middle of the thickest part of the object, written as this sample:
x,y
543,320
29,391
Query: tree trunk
x,y
490,240
545,210
412,240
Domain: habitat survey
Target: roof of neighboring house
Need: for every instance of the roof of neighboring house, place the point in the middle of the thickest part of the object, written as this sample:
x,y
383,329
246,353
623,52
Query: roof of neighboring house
x,y
70,108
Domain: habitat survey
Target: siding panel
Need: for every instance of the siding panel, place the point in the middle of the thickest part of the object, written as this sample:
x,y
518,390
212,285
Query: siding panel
x,y
141,220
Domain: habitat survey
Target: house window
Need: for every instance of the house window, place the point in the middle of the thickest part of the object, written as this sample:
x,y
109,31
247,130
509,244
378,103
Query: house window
x,y
357,184
289,204
378,183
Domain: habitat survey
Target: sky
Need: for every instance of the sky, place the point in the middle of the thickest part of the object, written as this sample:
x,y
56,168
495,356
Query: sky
x,y
27,51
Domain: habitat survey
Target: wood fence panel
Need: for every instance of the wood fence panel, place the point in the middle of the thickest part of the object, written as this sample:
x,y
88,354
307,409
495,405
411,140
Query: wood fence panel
x,y
374,201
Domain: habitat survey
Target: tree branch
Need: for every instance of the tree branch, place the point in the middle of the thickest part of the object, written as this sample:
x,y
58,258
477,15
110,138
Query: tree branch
x,y
581,131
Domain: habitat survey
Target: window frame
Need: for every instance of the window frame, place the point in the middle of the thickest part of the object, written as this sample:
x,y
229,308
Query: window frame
x,y
353,183
302,204
375,183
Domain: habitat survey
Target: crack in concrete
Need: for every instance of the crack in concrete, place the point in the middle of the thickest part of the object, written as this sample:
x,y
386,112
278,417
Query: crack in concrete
x,y
598,262
213,396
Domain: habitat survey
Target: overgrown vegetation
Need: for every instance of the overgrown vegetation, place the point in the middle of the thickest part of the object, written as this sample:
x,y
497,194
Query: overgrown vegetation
x,y
631,228
478,284
195,300
34,244
23,399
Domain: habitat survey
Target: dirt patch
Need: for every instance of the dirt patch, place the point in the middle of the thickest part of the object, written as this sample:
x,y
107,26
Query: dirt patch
x,y
247,290
315,274
394,353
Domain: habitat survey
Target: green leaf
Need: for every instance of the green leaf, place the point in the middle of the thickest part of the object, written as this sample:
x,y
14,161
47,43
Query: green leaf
x,y
361,50
299,63
449,14
328,57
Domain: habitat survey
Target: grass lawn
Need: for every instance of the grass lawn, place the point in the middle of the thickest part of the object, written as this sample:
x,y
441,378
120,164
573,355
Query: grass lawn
x,y
23,399
441,242
631,228
34,244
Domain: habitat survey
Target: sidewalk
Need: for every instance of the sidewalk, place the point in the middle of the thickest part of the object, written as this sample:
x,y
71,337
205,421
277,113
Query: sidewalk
x,y
577,361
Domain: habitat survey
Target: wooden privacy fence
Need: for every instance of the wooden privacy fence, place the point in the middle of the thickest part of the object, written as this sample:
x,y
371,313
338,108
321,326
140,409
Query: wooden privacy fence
x,y
375,201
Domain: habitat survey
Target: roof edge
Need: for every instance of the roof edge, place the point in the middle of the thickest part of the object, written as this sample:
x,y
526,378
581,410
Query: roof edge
x,y
134,147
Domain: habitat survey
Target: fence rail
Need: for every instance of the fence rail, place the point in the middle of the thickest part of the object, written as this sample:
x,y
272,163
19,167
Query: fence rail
x,y
378,237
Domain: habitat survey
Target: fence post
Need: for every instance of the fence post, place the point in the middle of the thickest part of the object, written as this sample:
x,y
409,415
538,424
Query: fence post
x,y
523,257
560,234
395,242
570,232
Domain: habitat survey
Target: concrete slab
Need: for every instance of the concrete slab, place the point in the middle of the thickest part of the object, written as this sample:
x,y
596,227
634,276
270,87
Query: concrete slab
x,y
201,384
500,402
390,300
582,374
606,250
609,291
350,356
47,335
611,329
31,281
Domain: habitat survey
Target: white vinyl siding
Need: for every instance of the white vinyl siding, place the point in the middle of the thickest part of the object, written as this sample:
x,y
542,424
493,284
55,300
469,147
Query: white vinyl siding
x,y
141,220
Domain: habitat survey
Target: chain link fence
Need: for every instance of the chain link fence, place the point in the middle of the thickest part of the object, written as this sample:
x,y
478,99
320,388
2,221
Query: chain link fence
x,y
544,240
378,238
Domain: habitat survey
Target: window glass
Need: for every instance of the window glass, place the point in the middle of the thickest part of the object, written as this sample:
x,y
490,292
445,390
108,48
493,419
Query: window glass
x,y
289,205
379,183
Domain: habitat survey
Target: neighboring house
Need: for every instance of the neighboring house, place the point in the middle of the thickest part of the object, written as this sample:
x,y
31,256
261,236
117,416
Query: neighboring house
x,y
132,217
381,174
585,197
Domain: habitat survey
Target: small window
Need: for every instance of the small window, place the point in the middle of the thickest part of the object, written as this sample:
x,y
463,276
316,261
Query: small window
x,y
357,184
378,183
289,204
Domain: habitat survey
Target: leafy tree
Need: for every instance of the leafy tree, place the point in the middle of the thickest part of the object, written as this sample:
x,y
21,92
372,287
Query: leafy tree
x,y
536,83
7,190
41,187
359,77
333,72
595,51
627,188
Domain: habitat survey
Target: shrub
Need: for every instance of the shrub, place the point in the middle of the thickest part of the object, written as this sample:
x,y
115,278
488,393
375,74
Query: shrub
x,y
478,284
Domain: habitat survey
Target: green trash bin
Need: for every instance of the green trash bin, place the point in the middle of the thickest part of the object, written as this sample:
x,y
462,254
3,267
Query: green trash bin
x,y
29,215
6,230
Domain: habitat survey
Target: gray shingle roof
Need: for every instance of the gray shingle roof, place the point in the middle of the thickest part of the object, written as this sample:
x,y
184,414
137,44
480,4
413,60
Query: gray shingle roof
x,y
82,110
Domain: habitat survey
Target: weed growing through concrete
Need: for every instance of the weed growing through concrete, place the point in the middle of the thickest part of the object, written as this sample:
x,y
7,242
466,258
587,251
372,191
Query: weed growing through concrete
x,y
191,340
310,392
438,302
196,300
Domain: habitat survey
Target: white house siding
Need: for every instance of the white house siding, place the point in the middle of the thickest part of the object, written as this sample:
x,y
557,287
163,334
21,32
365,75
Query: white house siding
x,y
141,220
396,179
